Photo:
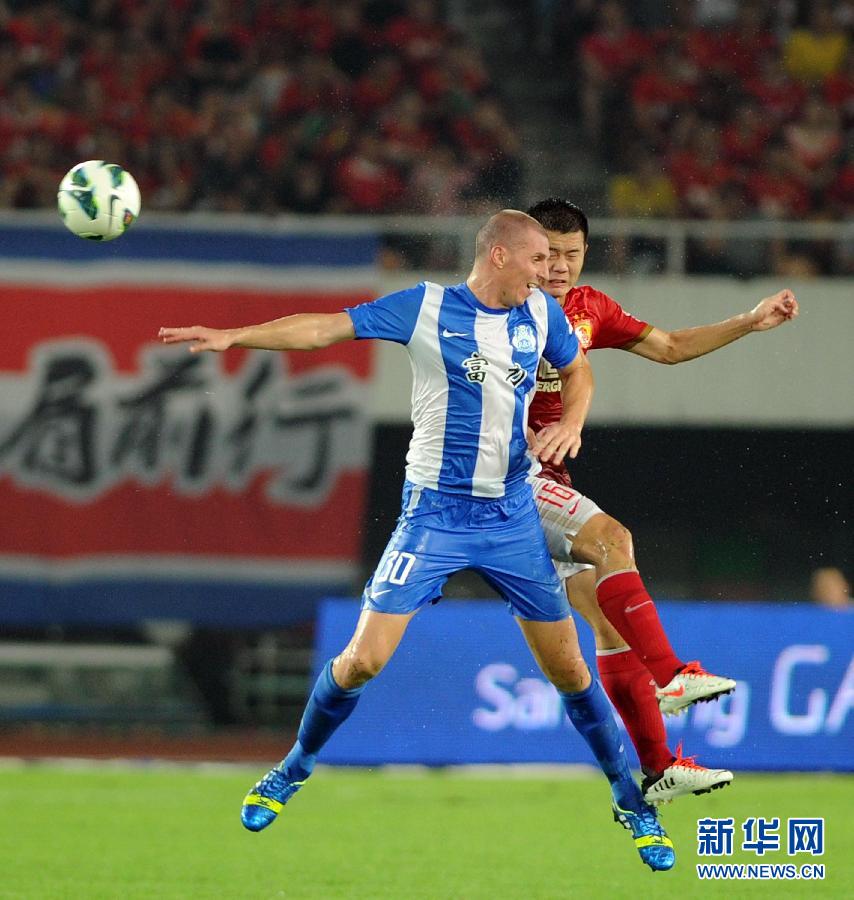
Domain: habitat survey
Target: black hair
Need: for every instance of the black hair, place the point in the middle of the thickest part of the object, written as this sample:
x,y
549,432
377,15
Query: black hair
x,y
561,216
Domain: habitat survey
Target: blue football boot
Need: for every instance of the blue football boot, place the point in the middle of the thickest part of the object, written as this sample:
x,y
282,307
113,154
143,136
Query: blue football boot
x,y
654,846
265,801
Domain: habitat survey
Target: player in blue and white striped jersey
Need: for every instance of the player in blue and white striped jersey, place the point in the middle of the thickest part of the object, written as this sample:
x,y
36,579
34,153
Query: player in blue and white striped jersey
x,y
467,502
473,373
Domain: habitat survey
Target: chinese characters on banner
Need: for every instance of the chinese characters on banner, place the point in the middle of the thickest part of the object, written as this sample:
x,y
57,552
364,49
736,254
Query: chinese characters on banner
x,y
114,446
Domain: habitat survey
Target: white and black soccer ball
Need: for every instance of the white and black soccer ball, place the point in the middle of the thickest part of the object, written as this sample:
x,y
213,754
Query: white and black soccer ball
x,y
98,200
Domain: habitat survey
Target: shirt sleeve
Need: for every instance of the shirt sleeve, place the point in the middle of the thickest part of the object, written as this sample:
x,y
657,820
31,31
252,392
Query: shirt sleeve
x,y
388,318
561,343
617,327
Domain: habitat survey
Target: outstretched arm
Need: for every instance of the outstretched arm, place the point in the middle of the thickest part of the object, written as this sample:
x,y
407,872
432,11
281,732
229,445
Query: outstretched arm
x,y
303,331
563,438
672,347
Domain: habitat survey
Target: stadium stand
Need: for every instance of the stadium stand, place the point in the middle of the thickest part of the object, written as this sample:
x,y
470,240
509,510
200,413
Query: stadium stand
x,y
266,106
693,110
711,112
714,105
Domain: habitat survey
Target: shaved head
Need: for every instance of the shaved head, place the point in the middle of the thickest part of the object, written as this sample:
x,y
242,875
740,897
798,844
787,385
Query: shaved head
x,y
511,260
507,228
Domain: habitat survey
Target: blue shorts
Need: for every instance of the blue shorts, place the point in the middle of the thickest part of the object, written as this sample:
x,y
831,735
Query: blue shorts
x,y
439,534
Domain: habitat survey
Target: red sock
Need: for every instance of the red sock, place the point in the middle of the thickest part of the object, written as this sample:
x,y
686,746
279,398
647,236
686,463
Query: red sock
x,y
629,608
626,681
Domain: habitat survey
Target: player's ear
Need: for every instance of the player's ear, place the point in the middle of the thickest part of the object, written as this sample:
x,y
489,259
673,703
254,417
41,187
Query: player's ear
x,y
498,255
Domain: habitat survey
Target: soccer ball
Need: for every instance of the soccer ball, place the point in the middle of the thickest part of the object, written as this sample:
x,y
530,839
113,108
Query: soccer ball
x,y
98,200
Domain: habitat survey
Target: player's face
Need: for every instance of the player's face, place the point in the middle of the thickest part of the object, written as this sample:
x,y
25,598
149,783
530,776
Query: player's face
x,y
525,268
566,260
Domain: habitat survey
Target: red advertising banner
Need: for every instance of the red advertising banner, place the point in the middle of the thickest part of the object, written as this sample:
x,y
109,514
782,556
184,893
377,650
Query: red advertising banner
x,y
117,452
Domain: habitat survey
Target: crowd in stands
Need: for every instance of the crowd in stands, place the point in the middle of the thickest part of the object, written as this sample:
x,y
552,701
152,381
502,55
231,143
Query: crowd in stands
x,y
725,111
715,110
253,105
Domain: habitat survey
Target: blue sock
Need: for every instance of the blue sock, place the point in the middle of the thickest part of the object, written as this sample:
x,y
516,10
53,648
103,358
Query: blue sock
x,y
591,714
328,707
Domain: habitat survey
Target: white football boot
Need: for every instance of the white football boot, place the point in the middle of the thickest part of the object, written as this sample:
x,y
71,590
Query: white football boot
x,y
683,776
692,685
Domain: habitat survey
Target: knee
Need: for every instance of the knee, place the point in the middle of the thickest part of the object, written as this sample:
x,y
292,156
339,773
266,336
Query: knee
x,y
571,676
605,541
614,534
357,666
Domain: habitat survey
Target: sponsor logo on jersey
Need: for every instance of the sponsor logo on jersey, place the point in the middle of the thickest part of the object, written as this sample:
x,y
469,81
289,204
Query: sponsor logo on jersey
x,y
548,379
524,339
516,375
476,366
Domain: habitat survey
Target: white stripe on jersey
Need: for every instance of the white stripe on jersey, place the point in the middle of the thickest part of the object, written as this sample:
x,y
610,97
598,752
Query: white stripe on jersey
x,y
429,392
537,303
498,406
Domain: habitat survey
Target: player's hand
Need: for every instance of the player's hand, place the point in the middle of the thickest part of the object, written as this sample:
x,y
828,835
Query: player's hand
x,y
773,311
198,337
557,441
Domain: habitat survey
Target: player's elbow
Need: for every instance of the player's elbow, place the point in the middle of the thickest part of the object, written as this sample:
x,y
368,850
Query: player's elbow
x,y
671,354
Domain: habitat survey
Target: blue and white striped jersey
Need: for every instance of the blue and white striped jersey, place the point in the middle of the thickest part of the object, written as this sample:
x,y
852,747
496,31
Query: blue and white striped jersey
x,y
474,373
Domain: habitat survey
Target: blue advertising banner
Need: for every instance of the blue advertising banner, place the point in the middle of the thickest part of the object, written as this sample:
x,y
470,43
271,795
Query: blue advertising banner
x,y
463,688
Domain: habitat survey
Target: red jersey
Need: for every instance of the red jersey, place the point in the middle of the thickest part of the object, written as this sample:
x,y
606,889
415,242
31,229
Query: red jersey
x,y
598,322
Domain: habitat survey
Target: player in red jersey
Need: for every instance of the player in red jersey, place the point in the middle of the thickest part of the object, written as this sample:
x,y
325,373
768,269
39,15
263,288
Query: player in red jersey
x,y
593,551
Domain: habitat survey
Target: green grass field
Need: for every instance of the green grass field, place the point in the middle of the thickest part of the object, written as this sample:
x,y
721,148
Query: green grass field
x,y
121,832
